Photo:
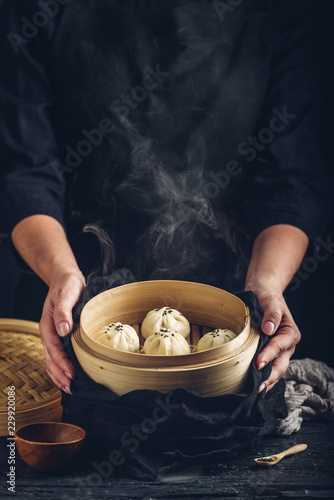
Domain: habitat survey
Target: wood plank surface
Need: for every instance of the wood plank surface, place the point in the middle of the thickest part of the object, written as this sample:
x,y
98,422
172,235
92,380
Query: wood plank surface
x,y
307,475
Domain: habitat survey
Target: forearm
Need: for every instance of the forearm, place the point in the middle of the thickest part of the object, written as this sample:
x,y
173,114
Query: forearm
x,y
277,254
42,243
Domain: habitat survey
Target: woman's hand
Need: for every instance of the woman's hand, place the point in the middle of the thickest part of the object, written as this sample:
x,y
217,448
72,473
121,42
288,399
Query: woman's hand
x,y
42,243
277,253
56,321
277,322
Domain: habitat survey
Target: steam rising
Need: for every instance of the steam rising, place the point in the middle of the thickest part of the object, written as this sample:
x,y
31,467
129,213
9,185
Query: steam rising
x,y
187,232
108,251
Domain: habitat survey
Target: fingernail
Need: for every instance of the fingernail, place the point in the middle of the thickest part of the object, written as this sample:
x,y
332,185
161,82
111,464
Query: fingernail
x,y
66,389
63,329
262,386
270,327
69,375
261,365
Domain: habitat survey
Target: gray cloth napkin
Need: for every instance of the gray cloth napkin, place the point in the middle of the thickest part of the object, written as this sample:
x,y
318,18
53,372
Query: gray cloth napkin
x,y
309,394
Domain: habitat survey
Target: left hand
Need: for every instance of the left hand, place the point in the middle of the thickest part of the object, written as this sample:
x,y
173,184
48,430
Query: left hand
x,y
277,320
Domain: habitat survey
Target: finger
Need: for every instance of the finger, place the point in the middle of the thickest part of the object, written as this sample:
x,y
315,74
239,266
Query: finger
x,y
53,346
65,299
270,386
278,369
272,307
62,378
60,385
287,337
62,314
57,375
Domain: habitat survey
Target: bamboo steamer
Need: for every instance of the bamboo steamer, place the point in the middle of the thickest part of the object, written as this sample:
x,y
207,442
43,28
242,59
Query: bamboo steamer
x,y
22,365
220,370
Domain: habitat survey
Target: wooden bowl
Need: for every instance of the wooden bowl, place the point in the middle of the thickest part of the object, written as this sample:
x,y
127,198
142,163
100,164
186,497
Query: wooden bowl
x,y
213,372
49,446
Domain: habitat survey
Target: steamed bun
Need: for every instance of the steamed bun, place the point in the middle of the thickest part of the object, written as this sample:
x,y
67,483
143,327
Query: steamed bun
x,y
166,318
118,336
215,338
166,343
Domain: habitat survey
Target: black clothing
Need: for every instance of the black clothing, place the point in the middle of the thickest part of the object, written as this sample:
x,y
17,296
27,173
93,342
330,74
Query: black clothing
x,y
228,98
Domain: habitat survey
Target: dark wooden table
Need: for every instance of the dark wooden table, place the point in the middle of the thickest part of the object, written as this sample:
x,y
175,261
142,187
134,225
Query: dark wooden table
x,y
308,475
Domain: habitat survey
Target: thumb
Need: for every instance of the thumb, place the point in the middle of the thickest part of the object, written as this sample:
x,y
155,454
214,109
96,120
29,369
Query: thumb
x,y
272,316
62,314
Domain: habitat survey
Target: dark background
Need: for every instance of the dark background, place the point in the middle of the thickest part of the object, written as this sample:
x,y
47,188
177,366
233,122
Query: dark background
x,y
312,303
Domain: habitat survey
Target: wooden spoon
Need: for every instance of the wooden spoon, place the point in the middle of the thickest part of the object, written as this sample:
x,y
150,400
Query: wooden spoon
x,y
274,459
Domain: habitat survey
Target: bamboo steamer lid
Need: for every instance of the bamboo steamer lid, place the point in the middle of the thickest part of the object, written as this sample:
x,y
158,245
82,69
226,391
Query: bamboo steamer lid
x,y
22,365
216,371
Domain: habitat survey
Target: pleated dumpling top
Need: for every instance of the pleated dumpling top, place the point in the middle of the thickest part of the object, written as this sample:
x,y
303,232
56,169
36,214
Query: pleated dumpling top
x,y
215,338
166,343
165,318
119,336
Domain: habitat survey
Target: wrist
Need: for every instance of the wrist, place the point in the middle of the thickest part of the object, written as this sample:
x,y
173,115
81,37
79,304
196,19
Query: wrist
x,y
61,273
264,282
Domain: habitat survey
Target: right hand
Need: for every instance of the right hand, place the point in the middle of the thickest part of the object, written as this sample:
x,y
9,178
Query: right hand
x,y
56,321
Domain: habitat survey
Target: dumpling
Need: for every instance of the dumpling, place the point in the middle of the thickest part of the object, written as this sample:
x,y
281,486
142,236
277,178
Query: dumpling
x,y
166,343
215,338
166,318
118,336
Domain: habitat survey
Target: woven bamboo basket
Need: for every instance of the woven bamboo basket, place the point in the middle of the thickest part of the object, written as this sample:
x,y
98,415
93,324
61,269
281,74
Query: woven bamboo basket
x,y
22,365
217,371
